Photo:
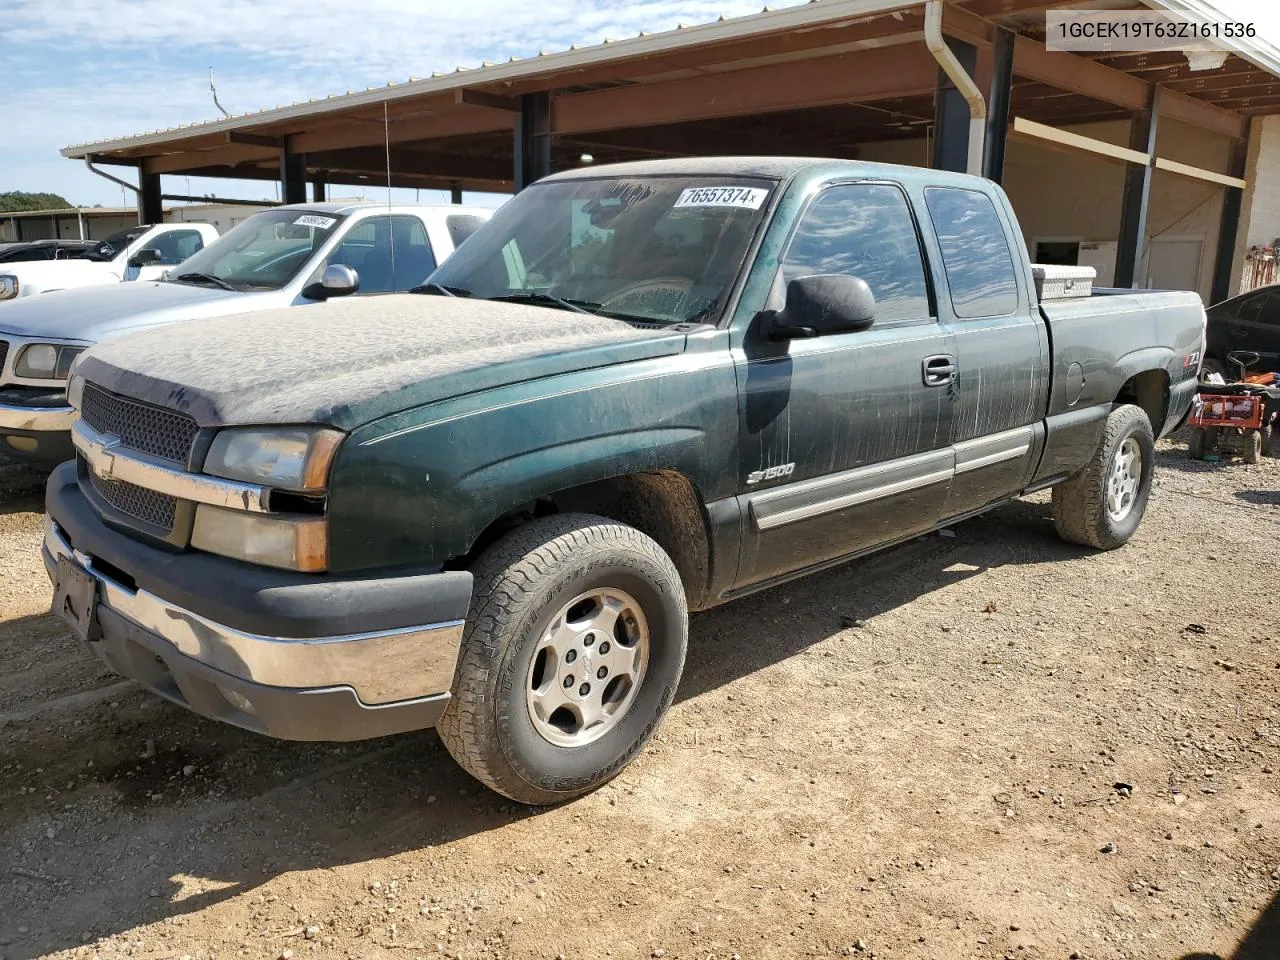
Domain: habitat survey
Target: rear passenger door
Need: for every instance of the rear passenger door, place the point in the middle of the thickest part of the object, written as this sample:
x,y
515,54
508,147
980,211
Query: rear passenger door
x,y
999,345
843,441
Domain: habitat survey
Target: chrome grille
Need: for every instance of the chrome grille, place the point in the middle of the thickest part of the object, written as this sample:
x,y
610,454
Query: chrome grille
x,y
140,426
137,502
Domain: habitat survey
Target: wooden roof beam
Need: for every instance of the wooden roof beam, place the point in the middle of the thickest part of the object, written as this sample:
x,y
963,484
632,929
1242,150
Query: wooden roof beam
x,y
231,155
453,121
1079,75
879,74
373,160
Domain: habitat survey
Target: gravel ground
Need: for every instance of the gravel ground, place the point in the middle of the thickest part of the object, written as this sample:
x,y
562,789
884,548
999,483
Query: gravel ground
x,y
986,745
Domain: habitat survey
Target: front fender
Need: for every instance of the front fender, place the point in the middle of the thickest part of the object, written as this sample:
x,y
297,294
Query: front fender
x,y
420,487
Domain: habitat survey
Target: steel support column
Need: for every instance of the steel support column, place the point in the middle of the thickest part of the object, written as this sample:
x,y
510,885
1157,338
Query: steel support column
x,y
293,176
455,194
532,139
998,106
318,187
1137,193
951,113
150,203
1228,227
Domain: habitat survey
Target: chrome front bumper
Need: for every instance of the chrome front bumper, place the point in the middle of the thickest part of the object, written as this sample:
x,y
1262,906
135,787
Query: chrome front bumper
x,y
37,419
382,668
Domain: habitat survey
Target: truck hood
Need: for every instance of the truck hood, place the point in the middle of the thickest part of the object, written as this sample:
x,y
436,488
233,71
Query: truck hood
x,y
351,361
91,314
55,274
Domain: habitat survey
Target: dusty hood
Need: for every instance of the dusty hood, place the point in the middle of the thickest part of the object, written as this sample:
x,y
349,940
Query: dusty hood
x,y
91,314
351,361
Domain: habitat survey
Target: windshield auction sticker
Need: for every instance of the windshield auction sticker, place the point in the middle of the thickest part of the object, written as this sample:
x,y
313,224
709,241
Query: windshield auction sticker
x,y
313,220
749,198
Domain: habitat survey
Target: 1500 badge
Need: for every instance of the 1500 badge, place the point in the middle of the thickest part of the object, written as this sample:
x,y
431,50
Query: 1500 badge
x,y
772,473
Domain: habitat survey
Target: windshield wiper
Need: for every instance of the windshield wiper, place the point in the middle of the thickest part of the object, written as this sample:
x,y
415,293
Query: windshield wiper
x,y
534,296
206,279
440,288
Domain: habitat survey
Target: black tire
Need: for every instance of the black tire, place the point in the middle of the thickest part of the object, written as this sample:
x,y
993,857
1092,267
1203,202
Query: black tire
x,y
1195,444
1212,365
521,583
1252,442
1080,504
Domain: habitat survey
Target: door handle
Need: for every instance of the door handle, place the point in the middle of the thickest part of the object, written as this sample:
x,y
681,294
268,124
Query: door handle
x,y
939,370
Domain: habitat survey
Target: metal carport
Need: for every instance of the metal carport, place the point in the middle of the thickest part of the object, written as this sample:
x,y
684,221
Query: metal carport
x,y
826,78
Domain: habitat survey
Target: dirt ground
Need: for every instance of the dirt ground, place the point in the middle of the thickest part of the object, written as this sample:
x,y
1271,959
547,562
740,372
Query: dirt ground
x,y
982,745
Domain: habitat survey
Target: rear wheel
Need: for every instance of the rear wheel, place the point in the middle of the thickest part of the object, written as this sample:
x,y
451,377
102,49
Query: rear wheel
x,y
1195,443
1211,365
574,645
1252,441
1103,504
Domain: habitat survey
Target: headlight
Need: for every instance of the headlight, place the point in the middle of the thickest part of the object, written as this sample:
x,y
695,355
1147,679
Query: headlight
x,y
45,361
75,391
290,543
295,458
8,287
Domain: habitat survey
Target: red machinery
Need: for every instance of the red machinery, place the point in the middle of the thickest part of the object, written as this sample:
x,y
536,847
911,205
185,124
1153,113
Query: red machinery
x,y
1234,418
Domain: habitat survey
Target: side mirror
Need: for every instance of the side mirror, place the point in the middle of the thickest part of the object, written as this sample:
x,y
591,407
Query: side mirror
x,y
338,280
145,257
823,304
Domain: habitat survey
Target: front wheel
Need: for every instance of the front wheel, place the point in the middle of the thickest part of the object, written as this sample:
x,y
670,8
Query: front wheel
x,y
574,645
1102,505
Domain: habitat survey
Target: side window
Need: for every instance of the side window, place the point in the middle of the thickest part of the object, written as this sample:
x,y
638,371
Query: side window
x,y
461,226
864,230
388,253
1256,308
176,245
975,253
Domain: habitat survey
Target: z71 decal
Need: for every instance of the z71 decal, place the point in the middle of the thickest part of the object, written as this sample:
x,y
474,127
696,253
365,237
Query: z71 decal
x,y
772,473
1191,360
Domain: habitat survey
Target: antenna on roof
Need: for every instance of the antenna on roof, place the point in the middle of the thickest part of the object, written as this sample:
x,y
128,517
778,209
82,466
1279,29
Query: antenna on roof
x,y
391,227
214,91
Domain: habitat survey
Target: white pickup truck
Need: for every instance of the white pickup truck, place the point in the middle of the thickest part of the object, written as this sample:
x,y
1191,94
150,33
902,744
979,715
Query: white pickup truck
x,y
136,253
282,257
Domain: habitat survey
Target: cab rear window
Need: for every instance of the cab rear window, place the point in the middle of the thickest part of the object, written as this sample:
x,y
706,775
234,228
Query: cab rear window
x,y
975,253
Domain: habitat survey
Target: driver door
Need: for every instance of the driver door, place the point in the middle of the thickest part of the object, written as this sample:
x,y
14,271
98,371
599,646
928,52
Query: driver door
x,y
844,438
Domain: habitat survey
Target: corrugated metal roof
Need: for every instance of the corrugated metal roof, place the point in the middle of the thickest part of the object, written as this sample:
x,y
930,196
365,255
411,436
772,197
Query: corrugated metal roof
x,y
1263,55
684,35
72,211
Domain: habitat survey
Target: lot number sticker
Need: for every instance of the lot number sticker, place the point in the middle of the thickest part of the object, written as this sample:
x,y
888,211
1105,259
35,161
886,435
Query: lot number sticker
x,y
748,198
312,220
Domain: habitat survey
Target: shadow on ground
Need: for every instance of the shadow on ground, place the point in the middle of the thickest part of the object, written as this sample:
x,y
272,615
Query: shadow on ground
x,y
21,486
1262,942
155,796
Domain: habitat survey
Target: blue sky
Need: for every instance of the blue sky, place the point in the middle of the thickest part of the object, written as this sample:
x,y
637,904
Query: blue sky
x,y
72,71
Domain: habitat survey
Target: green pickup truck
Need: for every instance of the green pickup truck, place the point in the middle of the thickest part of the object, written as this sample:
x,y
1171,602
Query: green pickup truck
x,y
489,505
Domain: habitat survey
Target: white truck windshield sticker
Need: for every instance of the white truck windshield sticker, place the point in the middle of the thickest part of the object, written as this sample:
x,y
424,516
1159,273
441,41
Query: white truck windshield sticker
x,y
749,198
313,220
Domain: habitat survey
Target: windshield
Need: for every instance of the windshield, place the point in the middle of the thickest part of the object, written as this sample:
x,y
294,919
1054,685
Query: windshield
x,y
114,245
264,252
663,250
